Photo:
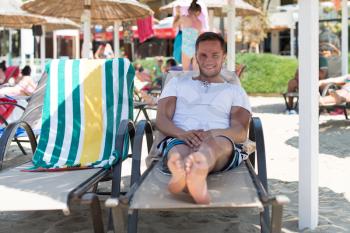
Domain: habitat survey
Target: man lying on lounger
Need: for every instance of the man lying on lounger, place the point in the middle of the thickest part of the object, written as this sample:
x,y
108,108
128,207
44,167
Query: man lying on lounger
x,y
203,118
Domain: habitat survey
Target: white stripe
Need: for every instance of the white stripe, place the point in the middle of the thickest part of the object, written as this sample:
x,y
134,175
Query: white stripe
x,y
115,93
82,113
125,111
53,110
104,110
69,113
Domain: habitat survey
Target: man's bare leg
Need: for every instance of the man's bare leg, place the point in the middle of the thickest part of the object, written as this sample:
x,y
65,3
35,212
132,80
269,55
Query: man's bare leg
x,y
213,155
176,165
337,96
332,98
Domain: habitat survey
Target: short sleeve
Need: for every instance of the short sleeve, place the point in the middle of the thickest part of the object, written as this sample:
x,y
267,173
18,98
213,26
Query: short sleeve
x,y
240,98
170,89
323,63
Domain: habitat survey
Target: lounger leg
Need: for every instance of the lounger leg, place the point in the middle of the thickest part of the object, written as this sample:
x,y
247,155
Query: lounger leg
x,y
20,147
132,221
94,202
285,101
118,222
346,114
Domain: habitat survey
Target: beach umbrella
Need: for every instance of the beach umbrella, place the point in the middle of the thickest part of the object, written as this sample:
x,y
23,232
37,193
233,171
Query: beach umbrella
x,y
242,8
12,16
96,11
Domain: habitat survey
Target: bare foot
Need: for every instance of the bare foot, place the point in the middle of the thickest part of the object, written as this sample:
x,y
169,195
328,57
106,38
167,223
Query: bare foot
x,y
338,99
178,179
197,170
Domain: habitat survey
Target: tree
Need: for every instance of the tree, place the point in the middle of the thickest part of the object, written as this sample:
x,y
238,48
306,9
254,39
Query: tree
x,y
254,28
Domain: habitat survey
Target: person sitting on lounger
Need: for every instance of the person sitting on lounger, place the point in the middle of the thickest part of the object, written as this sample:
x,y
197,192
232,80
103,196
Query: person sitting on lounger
x,y
336,96
25,85
293,84
203,118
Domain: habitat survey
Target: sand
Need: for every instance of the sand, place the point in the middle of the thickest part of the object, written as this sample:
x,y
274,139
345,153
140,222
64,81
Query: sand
x,y
281,141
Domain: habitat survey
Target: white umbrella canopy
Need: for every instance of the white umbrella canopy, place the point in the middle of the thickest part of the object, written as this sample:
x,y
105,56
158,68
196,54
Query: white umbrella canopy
x,y
12,16
101,10
96,11
242,8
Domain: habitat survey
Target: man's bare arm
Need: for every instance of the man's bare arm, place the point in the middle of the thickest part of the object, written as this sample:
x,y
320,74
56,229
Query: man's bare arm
x,y
165,113
239,125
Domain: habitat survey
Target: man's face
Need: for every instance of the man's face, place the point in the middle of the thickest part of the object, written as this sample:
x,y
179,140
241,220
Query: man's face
x,y
210,57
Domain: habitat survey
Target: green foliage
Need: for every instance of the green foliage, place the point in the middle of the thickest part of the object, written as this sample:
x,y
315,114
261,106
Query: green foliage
x,y
266,73
147,63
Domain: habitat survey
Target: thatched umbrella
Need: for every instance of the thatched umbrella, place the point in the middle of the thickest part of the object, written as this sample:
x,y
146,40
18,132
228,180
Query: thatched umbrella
x,y
12,16
242,8
96,11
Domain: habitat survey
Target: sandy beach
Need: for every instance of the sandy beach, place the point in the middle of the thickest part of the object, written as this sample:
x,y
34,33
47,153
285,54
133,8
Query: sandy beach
x,y
281,141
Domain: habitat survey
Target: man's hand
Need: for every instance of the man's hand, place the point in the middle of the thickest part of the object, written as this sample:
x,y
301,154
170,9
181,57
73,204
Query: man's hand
x,y
193,138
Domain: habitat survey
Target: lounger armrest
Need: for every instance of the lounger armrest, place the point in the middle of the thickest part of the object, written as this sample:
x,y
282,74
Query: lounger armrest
x,y
126,131
12,103
328,87
9,103
9,134
256,134
143,128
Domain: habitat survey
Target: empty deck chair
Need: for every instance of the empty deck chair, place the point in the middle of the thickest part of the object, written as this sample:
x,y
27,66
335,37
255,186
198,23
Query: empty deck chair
x,y
86,123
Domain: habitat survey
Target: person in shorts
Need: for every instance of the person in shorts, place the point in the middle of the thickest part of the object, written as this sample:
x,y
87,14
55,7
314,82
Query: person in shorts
x,y
204,118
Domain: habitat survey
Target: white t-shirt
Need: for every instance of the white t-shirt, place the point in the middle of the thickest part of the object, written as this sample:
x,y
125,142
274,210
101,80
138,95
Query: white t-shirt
x,y
204,107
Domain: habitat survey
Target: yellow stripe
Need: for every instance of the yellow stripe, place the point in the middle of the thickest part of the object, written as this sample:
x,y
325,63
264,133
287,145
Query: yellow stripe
x,y
92,110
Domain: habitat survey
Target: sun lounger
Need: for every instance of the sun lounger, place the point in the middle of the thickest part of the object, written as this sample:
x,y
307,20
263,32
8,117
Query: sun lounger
x,y
86,129
332,107
239,189
31,114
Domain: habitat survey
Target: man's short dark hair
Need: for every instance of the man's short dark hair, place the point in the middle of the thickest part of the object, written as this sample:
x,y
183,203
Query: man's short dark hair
x,y
171,62
211,36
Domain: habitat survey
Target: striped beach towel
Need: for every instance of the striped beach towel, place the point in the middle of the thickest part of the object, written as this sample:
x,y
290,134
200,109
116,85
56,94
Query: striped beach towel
x,y
84,103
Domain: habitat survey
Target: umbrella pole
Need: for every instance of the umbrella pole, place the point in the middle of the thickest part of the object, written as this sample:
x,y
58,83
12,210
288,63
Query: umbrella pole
x,y
42,49
231,40
10,48
87,30
116,38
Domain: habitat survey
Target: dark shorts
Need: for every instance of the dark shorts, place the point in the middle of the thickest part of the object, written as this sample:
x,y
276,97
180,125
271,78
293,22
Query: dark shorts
x,y
238,154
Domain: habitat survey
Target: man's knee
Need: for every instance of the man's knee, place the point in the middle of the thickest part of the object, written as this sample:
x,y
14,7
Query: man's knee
x,y
292,85
219,145
179,149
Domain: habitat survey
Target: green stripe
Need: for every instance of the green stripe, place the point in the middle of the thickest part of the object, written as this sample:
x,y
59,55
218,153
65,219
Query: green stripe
x,y
120,93
130,84
109,109
61,113
45,125
73,150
